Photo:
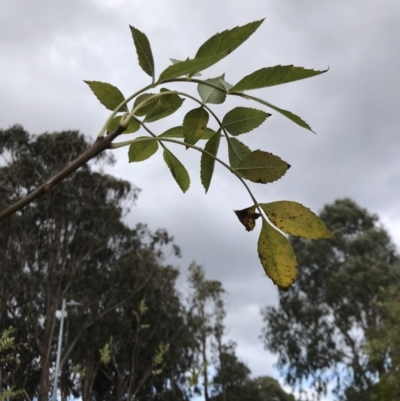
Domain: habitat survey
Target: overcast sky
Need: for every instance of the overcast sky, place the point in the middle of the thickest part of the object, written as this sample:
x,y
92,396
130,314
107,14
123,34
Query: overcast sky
x,y
48,47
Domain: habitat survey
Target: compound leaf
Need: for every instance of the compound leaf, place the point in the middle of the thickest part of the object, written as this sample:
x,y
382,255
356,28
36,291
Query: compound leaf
x,y
109,95
262,167
277,257
178,170
194,123
295,219
209,94
270,76
140,150
227,41
243,119
207,162
143,50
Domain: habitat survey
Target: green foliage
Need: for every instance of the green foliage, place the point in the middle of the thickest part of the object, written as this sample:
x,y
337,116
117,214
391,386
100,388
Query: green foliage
x,y
165,106
142,150
208,161
209,94
109,95
194,124
178,170
321,326
261,167
227,41
143,49
243,119
256,166
272,76
384,343
132,127
7,357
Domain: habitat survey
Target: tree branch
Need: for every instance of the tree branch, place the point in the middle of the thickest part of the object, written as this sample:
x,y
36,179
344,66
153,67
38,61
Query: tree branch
x,y
99,146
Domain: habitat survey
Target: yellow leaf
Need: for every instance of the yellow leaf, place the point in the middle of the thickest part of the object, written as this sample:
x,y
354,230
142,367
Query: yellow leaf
x,y
277,257
295,219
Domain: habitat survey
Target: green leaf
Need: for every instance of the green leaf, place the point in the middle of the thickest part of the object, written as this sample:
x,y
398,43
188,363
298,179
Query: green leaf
x,y
165,106
212,95
109,95
262,167
142,150
277,257
175,61
143,51
207,162
147,107
288,114
194,123
188,67
227,41
295,219
178,170
133,125
243,119
236,151
270,76
177,132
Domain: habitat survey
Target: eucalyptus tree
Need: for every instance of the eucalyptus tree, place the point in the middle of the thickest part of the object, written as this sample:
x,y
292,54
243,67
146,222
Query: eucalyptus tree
x,y
72,243
135,113
321,325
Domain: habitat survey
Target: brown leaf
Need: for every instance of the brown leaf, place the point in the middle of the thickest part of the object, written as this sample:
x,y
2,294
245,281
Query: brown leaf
x,y
248,217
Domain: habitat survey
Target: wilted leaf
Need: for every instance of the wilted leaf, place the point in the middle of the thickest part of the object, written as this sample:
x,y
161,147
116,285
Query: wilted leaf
x,y
207,162
133,125
277,257
243,119
236,151
188,67
295,219
177,132
178,170
212,95
165,106
262,167
227,41
270,76
109,95
143,51
194,123
142,150
248,217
